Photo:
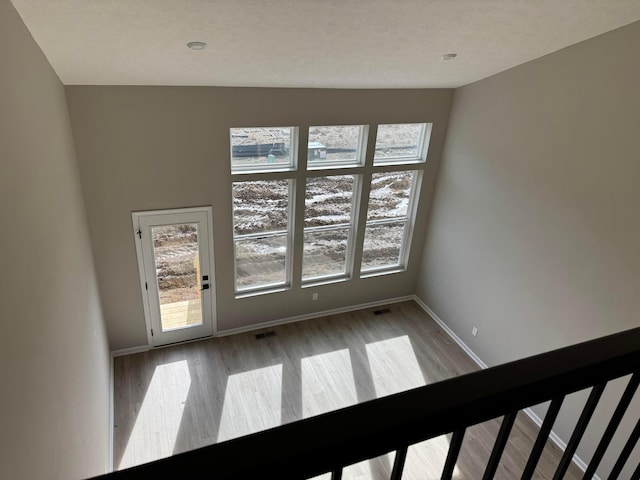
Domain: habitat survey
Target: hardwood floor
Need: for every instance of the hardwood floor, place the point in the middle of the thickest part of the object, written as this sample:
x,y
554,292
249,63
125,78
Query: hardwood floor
x,y
187,396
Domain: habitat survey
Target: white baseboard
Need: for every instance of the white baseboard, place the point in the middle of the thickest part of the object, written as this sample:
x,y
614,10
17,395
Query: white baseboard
x,y
310,316
129,351
561,444
451,333
275,323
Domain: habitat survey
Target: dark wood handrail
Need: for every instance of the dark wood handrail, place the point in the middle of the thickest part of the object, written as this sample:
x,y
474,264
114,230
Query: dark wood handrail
x,y
327,442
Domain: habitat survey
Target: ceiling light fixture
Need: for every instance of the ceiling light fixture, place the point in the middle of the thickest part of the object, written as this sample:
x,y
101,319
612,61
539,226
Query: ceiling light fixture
x,y
449,56
196,45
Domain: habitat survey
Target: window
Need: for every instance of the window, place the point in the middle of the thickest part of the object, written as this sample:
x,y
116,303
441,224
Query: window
x,y
261,233
262,149
393,195
267,177
336,146
385,237
401,143
328,220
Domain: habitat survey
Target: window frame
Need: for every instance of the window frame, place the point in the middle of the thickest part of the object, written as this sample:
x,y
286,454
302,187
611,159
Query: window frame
x,y
351,226
288,233
408,219
361,151
297,174
423,146
266,167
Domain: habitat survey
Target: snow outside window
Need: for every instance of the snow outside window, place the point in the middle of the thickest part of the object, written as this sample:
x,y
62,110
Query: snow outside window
x,y
328,222
261,233
268,178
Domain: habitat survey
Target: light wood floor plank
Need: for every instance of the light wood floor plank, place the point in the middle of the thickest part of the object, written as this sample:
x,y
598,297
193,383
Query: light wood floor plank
x,y
175,399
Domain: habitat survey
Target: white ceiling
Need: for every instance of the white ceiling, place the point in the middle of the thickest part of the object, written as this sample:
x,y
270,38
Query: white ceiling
x,y
308,43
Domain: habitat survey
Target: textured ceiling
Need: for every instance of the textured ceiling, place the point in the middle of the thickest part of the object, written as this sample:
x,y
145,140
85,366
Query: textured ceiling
x,y
308,43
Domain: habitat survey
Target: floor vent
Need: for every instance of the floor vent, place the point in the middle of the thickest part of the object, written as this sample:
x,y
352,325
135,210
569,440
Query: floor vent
x,y
382,311
265,335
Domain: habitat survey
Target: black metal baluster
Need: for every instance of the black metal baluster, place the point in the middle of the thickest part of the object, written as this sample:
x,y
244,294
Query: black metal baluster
x,y
541,440
398,463
626,452
610,431
452,455
578,432
636,474
336,474
498,447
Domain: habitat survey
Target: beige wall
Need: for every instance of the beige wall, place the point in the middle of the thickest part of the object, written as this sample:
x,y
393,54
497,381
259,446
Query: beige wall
x,y
54,406
535,229
147,148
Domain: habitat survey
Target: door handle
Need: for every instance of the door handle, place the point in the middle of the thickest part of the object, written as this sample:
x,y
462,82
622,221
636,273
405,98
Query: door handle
x,y
205,287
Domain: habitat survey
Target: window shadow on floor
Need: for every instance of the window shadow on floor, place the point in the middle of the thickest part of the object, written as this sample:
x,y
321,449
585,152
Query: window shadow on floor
x,y
193,395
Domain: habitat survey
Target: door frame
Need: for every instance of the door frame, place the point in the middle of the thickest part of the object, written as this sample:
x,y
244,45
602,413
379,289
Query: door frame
x,y
135,216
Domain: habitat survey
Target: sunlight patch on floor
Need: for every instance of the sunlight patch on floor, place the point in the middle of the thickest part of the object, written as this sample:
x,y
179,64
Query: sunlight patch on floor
x,y
252,402
425,460
327,383
159,416
395,368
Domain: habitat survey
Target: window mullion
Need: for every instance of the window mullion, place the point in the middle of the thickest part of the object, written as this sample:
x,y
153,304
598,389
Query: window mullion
x,y
356,204
255,176
259,235
416,189
361,204
372,132
326,228
385,221
297,210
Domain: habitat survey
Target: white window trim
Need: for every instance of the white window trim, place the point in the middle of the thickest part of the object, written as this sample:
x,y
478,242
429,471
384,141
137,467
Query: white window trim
x,y
423,147
361,152
298,172
287,262
290,166
349,227
400,263
407,235
288,233
351,239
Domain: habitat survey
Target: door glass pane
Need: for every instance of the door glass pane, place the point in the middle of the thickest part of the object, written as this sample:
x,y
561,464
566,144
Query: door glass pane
x,y
175,251
261,261
325,252
382,244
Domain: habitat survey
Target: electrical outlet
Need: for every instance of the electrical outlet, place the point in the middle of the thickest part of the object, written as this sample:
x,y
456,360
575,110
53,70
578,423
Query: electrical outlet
x,y
474,331
314,296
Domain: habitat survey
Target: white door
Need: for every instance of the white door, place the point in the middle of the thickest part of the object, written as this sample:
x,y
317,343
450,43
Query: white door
x,y
175,260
